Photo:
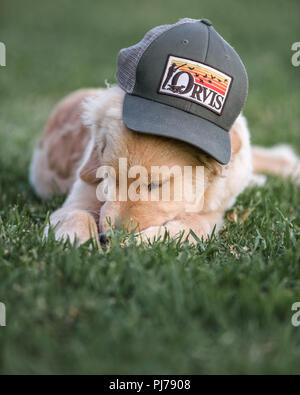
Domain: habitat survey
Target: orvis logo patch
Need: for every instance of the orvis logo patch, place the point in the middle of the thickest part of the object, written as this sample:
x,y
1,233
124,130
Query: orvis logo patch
x,y
196,82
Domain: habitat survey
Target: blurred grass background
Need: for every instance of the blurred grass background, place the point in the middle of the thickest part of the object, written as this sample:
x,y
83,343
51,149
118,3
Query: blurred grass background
x,y
56,47
214,308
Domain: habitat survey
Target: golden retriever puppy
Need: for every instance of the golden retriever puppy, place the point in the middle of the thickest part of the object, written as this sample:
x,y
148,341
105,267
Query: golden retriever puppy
x,y
86,132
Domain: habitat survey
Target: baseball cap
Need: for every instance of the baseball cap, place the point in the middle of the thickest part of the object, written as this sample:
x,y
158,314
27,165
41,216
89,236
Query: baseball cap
x,y
184,81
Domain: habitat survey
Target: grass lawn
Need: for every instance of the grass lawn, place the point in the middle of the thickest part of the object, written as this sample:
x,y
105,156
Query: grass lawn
x,y
220,307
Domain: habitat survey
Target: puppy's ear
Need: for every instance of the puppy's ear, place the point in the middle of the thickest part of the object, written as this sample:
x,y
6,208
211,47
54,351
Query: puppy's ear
x,y
89,169
236,142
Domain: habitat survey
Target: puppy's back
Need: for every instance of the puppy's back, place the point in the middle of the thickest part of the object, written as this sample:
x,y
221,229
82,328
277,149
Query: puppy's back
x,y
60,150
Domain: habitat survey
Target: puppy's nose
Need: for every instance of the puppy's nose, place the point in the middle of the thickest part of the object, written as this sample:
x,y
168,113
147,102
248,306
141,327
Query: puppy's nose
x,y
103,239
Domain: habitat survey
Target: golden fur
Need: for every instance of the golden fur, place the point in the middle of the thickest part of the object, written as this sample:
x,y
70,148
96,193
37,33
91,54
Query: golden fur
x,y
75,143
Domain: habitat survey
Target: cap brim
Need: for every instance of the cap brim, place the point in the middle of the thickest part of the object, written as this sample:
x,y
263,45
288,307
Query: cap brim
x,y
150,117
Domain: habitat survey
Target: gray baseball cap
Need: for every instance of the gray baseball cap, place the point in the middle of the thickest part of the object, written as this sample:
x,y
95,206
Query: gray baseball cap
x,y
184,81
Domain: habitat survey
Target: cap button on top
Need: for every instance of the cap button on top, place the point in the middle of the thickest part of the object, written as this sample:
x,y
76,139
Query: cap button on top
x,y
206,22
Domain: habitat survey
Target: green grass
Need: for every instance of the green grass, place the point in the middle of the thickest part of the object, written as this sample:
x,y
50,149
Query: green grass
x,y
220,307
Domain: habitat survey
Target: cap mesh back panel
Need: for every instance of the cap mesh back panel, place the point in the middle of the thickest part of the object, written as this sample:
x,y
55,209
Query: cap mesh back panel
x,y
129,58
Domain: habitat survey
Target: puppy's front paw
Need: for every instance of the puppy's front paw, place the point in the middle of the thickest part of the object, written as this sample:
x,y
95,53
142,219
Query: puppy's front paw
x,y
73,225
180,231
173,229
150,234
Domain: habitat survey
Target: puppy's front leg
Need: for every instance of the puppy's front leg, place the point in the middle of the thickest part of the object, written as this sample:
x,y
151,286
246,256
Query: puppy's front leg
x,y
201,224
77,218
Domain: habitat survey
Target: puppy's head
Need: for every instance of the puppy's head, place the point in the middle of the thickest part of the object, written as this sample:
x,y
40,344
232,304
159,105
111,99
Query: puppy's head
x,y
149,173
